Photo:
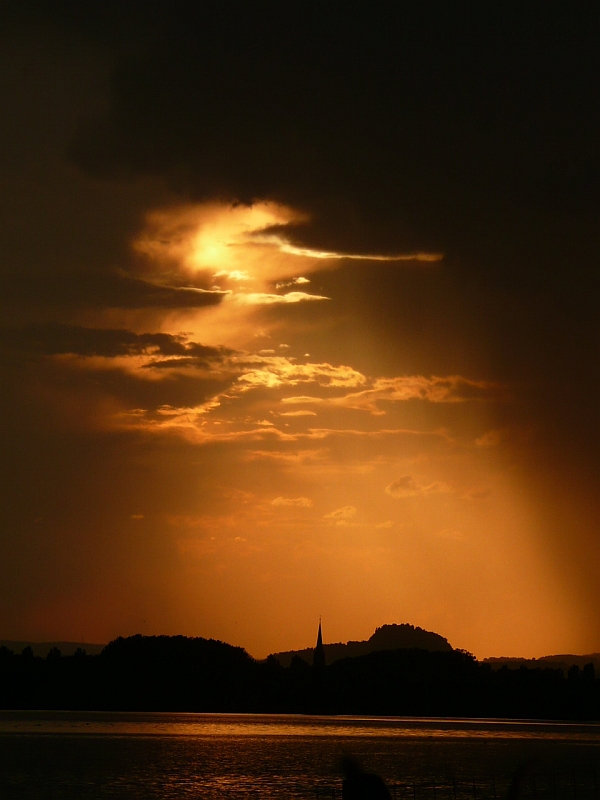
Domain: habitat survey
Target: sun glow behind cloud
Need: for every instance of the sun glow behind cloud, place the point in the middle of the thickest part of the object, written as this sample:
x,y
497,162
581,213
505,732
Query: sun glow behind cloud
x,y
245,252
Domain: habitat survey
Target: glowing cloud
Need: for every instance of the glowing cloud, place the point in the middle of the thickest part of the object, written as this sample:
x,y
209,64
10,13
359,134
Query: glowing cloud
x,y
292,502
451,389
263,299
308,252
278,371
344,513
231,250
408,487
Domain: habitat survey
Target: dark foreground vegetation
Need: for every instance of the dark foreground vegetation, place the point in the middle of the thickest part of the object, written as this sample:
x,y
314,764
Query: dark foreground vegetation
x,y
161,673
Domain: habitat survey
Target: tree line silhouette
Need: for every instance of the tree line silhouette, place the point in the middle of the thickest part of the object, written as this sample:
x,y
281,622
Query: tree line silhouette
x,y
177,673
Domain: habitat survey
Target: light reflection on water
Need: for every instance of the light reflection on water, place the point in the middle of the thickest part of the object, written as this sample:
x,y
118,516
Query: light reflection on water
x,y
101,755
269,725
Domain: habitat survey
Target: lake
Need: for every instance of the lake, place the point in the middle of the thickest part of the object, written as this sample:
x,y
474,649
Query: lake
x,y
115,755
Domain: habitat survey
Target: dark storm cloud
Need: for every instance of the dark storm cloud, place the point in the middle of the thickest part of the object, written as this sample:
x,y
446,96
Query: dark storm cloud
x,y
26,356
55,339
104,290
359,105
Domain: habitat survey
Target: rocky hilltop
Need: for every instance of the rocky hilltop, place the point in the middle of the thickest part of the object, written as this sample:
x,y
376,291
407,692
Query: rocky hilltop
x,y
387,637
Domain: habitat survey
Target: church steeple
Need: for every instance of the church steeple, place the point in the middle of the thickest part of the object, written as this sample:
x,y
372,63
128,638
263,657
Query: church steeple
x,y
319,654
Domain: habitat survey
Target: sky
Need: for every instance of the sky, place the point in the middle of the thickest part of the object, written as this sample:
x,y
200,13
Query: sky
x,y
299,318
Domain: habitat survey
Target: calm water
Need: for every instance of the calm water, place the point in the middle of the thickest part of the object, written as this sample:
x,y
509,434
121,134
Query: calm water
x,y
100,755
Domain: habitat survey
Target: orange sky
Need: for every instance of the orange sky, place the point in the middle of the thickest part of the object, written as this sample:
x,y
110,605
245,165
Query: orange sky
x,y
314,483
280,353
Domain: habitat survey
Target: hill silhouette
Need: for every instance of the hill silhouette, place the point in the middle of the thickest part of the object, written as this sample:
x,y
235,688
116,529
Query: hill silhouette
x,y
387,637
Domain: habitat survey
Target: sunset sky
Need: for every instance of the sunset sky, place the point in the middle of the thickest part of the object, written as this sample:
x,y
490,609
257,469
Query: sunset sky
x,y
299,317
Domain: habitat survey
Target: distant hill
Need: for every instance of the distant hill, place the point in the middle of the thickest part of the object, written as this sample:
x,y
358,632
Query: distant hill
x,y
43,648
387,637
563,662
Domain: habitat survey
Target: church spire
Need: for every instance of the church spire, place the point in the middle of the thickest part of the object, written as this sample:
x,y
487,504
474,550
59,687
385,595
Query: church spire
x,y
319,654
